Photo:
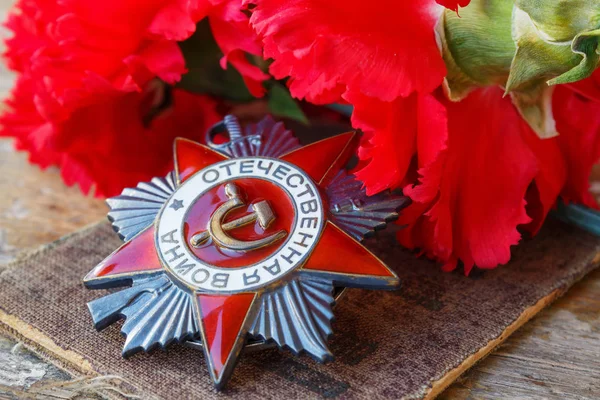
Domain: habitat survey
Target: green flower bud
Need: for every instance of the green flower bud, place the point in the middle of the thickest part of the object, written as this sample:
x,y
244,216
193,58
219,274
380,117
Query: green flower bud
x,y
524,46
477,46
557,41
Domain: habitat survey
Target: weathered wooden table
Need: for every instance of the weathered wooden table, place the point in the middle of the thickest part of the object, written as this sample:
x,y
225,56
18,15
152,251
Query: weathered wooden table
x,y
554,356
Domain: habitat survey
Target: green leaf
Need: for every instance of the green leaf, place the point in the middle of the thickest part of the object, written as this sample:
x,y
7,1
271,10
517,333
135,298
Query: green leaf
x,y
282,104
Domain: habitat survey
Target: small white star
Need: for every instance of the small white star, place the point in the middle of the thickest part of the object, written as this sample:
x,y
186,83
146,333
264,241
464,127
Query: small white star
x,y
176,204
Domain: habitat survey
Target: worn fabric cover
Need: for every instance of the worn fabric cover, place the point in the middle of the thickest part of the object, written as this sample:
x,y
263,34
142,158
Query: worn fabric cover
x,y
387,344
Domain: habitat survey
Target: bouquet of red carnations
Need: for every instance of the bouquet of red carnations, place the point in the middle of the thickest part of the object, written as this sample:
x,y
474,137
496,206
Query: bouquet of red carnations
x,y
484,112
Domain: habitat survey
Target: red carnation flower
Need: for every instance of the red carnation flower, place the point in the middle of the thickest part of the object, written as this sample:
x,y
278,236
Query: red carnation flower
x,y
86,71
114,143
468,213
465,212
74,49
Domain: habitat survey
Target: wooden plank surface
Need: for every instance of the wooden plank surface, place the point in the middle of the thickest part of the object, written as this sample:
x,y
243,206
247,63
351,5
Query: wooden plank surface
x,y
554,356
36,207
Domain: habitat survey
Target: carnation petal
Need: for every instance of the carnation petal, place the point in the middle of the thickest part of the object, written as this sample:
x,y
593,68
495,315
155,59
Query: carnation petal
x,y
394,134
578,124
481,179
391,143
163,59
321,45
236,39
453,4
173,23
549,181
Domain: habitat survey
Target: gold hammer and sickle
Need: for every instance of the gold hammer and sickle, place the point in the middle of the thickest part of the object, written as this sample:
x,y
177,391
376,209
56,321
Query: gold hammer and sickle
x,y
217,230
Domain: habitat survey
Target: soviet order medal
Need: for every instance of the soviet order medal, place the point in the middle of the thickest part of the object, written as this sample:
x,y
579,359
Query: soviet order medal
x,y
245,240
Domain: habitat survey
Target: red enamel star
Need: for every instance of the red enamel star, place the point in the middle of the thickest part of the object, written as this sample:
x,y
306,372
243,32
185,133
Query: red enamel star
x,y
226,315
